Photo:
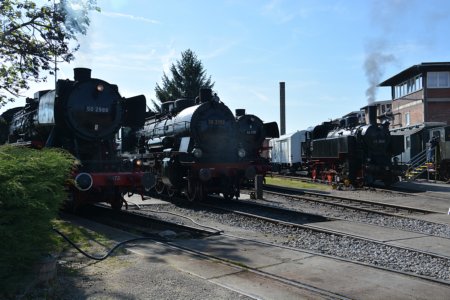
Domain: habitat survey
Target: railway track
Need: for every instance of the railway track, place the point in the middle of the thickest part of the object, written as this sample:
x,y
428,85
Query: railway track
x,y
294,226
350,203
144,224
391,189
370,212
295,221
149,226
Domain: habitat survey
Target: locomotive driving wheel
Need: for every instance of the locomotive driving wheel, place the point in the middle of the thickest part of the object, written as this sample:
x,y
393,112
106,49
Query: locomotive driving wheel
x,y
231,192
171,192
201,193
191,191
195,191
159,187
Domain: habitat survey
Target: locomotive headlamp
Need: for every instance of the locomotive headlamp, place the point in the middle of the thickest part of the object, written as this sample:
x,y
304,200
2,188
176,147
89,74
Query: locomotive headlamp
x,y
100,88
137,162
197,152
241,152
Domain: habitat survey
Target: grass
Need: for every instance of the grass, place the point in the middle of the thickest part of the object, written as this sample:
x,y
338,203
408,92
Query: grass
x,y
71,266
294,183
79,235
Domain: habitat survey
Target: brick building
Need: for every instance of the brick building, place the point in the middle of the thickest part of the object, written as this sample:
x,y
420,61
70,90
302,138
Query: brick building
x,y
420,94
420,101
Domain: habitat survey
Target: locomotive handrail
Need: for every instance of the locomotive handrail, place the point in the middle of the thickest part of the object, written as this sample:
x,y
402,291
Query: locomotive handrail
x,y
185,124
158,131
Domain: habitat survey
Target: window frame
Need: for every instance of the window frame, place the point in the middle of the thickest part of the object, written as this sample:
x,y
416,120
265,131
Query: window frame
x,y
438,80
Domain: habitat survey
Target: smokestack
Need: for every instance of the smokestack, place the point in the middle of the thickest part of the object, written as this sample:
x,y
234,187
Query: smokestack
x,y
372,109
81,74
282,109
240,112
205,95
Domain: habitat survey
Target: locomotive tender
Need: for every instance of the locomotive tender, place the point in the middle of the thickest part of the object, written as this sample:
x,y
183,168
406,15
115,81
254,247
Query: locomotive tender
x,y
196,147
350,152
83,116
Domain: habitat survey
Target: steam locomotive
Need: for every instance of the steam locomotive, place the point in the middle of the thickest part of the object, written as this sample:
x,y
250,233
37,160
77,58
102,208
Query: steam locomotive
x,y
347,151
83,116
197,147
354,153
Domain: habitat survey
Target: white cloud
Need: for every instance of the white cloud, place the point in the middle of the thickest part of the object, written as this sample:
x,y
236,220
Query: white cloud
x,y
260,96
168,59
225,46
286,11
131,17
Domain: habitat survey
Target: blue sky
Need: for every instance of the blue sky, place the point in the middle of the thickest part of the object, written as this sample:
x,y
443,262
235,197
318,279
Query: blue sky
x,y
318,48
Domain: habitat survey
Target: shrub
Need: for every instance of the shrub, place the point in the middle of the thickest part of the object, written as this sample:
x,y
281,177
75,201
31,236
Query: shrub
x,y
32,189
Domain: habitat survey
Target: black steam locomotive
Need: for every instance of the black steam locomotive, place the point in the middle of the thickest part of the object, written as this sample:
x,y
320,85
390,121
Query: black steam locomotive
x,y
353,153
196,147
83,116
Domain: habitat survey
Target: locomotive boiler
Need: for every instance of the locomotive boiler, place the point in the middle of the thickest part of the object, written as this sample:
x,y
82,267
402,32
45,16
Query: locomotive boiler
x,y
82,116
196,147
353,153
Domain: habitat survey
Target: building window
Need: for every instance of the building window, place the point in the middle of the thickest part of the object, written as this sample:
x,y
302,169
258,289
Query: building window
x,y
409,86
438,79
408,142
407,119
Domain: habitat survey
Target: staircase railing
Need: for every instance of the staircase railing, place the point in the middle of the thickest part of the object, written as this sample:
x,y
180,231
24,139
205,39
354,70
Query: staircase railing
x,y
417,166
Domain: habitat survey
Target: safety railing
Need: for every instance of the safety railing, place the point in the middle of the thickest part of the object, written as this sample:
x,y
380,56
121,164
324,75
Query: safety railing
x,y
418,165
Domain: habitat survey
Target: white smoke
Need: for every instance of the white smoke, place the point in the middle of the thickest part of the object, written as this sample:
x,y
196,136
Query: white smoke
x,y
77,14
78,23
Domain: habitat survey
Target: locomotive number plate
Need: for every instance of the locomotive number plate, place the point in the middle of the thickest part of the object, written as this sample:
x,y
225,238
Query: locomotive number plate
x,y
97,109
216,122
251,131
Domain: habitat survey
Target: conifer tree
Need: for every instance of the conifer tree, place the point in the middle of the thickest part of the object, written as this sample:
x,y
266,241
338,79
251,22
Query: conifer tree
x,y
188,76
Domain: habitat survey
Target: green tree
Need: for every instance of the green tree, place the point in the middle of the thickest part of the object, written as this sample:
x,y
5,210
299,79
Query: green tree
x,y
188,76
34,38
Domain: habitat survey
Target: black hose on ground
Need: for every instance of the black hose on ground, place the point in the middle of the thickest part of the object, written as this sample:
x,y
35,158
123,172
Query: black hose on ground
x,y
107,254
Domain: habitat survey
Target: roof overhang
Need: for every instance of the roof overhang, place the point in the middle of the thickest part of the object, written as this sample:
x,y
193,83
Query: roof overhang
x,y
416,70
409,130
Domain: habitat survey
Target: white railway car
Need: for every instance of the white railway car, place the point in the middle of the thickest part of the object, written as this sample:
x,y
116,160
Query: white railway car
x,y
285,151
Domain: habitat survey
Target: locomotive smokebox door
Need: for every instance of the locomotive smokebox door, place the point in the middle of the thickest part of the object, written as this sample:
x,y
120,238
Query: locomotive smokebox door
x,y
134,111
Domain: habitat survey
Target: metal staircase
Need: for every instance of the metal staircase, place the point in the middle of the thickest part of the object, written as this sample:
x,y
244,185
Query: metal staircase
x,y
418,165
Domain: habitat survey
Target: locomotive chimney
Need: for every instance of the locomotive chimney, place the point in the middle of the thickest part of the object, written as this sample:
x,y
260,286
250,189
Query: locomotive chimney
x,y
372,109
205,95
240,112
282,109
81,74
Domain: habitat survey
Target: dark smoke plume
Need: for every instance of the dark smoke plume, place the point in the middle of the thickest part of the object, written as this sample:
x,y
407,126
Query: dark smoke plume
x,y
374,66
384,17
